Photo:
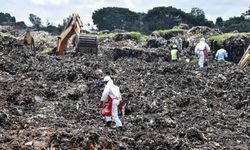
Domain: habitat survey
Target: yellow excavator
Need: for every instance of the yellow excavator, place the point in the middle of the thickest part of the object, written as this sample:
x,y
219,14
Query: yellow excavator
x,y
245,58
85,43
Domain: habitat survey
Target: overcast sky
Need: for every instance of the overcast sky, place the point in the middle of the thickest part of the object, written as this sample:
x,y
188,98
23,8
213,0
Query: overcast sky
x,y
57,10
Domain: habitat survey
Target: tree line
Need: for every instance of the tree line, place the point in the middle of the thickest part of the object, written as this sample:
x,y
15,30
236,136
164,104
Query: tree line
x,y
240,23
158,18
6,18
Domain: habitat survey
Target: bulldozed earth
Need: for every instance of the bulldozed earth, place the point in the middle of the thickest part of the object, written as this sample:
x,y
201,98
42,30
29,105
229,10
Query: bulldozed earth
x,y
50,102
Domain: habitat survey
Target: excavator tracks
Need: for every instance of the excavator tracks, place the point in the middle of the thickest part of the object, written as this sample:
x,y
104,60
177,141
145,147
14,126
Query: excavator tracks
x,y
87,43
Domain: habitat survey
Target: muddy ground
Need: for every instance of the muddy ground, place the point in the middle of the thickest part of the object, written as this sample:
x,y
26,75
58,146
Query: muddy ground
x,y
50,102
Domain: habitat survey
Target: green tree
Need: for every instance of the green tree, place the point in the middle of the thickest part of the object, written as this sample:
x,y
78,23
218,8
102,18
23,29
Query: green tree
x,y
247,13
6,17
219,22
164,18
35,20
168,17
111,18
51,29
198,18
48,23
65,22
197,12
240,24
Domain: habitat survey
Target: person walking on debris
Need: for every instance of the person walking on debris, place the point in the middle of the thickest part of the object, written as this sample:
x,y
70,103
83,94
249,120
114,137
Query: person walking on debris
x,y
112,95
29,40
175,54
221,54
201,51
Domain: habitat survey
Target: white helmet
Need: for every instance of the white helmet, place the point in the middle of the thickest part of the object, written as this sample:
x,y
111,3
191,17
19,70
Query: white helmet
x,y
174,46
106,79
202,40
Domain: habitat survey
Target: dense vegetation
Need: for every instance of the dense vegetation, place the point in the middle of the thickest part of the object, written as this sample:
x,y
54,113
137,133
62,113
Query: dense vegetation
x,y
6,17
240,23
158,18
116,18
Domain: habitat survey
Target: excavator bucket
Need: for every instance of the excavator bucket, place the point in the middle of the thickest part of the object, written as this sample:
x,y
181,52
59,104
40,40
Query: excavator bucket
x,y
87,43
245,61
245,58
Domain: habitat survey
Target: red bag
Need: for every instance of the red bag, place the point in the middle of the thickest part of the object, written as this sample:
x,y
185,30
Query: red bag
x,y
107,111
120,106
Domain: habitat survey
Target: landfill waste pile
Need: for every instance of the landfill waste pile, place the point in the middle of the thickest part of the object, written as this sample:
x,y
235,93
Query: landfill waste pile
x,y
50,102
235,45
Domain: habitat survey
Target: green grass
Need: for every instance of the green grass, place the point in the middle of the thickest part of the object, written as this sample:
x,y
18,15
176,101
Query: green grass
x,y
181,26
47,51
163,33
144,38
138,36
109,35
194,61
248,33
221,38
135,35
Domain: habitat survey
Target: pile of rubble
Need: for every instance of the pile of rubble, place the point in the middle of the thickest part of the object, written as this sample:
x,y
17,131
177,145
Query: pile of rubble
x,y
236,45
204,31
51,101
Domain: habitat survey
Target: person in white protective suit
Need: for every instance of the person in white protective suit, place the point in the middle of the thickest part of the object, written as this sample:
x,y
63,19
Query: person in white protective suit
x,y
201,50
112,95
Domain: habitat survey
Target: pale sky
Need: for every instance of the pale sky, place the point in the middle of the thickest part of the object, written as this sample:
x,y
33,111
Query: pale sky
x,y
56,10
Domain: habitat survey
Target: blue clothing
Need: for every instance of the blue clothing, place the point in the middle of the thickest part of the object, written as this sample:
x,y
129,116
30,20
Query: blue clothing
x,y
221,54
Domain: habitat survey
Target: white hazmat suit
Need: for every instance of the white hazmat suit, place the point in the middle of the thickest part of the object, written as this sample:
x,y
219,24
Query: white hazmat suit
x,y
201,50
112,92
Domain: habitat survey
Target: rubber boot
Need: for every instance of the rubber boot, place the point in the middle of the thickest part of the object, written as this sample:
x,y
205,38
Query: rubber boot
x,y
119,128
108,124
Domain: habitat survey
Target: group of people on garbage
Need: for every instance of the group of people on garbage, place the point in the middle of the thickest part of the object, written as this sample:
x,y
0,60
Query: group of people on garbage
x,y
201,51
111,94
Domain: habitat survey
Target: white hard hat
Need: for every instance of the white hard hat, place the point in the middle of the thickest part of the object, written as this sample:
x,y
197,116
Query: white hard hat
x,y
174,46
106,79
202,39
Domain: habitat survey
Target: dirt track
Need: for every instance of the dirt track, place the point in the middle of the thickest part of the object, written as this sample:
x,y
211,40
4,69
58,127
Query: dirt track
x,y
51,102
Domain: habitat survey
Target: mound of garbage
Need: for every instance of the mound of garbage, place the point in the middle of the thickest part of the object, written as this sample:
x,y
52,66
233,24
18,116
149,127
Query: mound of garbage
x,y
205,31
50,102
236,44
185,39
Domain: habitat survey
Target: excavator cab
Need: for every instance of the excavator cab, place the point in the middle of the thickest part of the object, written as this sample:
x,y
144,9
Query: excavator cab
x,y
84,43
245,58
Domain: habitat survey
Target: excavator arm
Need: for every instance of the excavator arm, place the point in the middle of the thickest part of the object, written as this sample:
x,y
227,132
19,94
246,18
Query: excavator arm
x,y
245,58
84,41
